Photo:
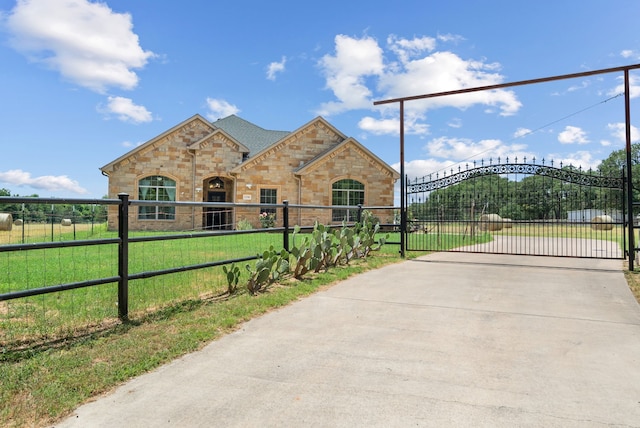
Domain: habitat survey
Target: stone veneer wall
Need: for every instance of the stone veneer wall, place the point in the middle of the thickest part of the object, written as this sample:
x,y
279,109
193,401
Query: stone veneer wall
x,y
168,156
275,168
218,156
350,162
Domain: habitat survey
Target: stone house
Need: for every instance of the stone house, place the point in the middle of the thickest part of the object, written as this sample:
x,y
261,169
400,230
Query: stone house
x,y
233,160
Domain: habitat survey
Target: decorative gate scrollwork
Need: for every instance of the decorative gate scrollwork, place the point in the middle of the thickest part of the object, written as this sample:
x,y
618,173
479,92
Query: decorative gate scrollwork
x,y
570,176
570,200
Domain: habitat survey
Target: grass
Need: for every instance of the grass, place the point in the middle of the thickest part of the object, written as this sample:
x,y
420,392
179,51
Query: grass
x,y
530,228
633,280
39,232
62,314
43,383
459,233
434,241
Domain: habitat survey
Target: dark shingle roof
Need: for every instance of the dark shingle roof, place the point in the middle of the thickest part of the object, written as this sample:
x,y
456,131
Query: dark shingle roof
x,y
255,138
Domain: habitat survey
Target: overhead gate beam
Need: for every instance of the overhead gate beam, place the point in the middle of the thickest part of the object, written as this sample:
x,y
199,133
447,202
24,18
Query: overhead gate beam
x,y
625,69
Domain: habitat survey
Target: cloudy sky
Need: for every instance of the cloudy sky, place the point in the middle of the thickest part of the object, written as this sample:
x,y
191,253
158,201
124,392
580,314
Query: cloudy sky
x,y
83,82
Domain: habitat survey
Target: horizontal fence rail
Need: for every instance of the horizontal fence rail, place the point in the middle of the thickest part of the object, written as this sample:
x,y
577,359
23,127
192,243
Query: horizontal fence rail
x,y
105,244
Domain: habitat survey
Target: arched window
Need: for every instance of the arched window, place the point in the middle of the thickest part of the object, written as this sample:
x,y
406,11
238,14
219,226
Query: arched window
x,y
346,192
156,188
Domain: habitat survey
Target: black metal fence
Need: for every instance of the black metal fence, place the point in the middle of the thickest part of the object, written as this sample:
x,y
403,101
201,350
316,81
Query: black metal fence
x,y
42,257
516,207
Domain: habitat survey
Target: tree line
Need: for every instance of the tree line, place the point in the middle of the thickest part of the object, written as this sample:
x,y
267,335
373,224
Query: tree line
x,y
44,213
534,197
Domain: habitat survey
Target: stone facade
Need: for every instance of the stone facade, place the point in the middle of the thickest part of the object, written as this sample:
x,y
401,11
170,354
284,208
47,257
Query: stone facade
x,y
215,162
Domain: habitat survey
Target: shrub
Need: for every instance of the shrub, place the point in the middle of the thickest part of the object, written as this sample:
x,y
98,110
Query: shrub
x,y
244,224
267,220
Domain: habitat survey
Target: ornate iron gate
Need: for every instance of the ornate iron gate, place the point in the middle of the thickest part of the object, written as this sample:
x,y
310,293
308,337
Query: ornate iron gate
x,y
525,208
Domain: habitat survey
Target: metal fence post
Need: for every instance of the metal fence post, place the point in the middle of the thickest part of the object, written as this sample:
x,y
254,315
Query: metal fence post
x,y
52,213
24,223
285,223
630,219
123,257
359,215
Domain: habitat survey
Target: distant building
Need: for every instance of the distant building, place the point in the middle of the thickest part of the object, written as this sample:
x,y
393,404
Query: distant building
x,y
586,215
233,160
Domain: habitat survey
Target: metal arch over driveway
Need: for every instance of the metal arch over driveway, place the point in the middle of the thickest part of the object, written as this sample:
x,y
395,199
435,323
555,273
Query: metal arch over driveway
x,y
624,69
522,208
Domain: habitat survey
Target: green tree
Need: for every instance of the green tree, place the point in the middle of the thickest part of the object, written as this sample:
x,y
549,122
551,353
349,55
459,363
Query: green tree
x,y
8,208
512,210
539,197
616,164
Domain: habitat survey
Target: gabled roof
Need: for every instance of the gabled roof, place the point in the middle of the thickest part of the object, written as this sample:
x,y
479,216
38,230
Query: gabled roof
x,y
239,146
288,136
364,152
193,118
252,136
259,141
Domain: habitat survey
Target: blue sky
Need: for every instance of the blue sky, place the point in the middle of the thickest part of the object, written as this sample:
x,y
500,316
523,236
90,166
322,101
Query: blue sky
x,y
84,82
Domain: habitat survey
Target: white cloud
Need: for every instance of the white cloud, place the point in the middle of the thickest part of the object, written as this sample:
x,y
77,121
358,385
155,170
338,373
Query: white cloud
x,y
459,148
129,144
219,108
627,53
445,71
391,126
379,127
463,149
275,67
345,73
126,110
360,71
455,38
419,168
582,85
580,159
619,132
573,135
50,183
85,42
456,123
406,49
521,132
634,87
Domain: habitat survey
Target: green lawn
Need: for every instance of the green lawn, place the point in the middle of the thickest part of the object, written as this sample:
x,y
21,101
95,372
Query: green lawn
x,y
62,313
42,382
454,234
91,351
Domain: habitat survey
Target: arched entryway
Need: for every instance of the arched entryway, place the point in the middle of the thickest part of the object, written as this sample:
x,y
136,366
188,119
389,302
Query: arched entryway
x,y
217,190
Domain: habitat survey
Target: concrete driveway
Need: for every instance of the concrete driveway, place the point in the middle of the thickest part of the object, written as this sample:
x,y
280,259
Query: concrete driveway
x,y
446,340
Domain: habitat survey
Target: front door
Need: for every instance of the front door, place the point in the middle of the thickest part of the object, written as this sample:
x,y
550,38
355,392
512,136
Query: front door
x,y
216,218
